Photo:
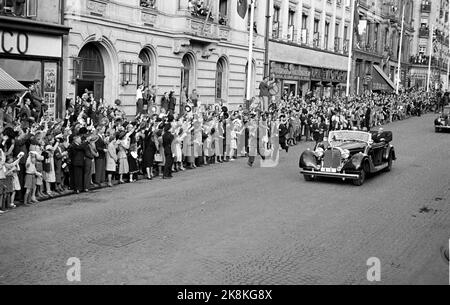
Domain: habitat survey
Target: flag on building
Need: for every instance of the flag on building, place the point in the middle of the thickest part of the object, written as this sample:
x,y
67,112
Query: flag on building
x,y
242,8
359,26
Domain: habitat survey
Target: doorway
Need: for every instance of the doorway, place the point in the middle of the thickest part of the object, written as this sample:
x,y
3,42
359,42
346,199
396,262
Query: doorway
x,y
92,72
290,87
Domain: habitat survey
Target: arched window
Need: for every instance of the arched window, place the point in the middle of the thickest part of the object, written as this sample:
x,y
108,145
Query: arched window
x,y
188,72
146,68
221,79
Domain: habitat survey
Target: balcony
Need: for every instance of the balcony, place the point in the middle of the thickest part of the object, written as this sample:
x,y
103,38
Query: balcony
x,y
425,8
424,32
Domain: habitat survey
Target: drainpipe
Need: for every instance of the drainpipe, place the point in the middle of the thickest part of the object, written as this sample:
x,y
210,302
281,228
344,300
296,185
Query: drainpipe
x,y
266,55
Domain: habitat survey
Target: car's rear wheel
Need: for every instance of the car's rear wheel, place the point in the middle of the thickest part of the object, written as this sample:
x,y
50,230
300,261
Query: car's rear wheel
x,y
361,179
308,178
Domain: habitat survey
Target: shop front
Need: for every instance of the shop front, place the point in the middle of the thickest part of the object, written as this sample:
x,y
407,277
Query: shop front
x,y
328,82
295,79
32,51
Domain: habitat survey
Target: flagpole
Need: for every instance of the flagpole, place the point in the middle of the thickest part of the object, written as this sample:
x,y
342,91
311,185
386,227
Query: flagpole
x,y
400,51
448,54
350,49
429,59
250,52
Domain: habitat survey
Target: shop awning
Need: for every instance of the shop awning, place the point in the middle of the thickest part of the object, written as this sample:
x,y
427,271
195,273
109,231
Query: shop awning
x,y
381,82
8,83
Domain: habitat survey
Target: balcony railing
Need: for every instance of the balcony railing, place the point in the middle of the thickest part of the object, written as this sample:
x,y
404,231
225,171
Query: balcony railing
x,y
424,60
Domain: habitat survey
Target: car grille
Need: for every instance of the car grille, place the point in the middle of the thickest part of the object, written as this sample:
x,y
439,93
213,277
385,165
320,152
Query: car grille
x,y
332,158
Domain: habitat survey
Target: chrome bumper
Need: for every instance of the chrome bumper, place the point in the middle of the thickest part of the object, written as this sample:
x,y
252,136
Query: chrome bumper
x,y
328,174
442,127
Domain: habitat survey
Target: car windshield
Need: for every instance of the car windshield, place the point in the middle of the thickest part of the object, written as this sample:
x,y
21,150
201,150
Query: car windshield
x,y
337,137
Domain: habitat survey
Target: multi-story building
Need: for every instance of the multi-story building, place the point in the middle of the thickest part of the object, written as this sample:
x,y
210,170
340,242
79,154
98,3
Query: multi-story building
x,y
31,48
115,45
309,44
432,23
377,44
313,38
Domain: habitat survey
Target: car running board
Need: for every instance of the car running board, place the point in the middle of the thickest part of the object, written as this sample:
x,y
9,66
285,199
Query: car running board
x,y
380,167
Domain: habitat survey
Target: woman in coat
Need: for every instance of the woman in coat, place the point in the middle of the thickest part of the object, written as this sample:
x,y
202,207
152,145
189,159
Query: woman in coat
x,y
111,158
123,145
100,161
150,149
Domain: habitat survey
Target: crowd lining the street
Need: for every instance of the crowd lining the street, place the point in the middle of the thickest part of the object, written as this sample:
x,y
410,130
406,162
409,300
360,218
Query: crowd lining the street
x,y
95,144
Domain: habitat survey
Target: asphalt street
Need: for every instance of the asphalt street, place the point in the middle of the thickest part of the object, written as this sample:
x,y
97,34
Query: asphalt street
x,y
231,224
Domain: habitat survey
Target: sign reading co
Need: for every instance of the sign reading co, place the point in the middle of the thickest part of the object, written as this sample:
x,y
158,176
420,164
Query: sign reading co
x,y
14,42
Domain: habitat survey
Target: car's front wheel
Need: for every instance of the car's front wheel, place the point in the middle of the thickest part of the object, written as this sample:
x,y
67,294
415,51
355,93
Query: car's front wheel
x,y
437,129
361,179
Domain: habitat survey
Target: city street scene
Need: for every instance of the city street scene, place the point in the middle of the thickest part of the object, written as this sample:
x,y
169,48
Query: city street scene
x,y
224,142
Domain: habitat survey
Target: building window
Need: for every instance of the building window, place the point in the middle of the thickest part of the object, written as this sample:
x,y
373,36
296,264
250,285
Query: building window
x,y
327,32
146,68
221,78
223,12
148,3
291,27
316,38
188,72
377,29
276,27
19,8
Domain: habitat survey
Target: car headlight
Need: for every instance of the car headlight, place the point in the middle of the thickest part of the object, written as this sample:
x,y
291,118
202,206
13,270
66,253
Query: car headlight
x,y
346,154
319,152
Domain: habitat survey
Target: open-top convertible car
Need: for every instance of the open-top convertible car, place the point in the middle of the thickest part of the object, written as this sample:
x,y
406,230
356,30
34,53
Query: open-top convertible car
x,y
443,121
349,155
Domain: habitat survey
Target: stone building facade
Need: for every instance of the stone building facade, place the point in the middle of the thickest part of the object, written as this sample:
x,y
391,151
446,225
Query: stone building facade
x,y
115,45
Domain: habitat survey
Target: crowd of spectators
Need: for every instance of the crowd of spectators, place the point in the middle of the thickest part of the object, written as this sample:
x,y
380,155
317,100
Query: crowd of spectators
x,y
96,145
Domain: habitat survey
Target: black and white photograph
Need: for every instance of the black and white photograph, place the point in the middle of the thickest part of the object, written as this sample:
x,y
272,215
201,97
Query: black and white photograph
x,y
224,148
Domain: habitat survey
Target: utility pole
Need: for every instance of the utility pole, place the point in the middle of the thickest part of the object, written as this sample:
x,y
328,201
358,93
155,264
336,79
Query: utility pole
x,y
250,51
429,59
400,51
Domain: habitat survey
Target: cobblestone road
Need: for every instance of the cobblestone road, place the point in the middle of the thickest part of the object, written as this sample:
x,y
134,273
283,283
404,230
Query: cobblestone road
x,y
230,224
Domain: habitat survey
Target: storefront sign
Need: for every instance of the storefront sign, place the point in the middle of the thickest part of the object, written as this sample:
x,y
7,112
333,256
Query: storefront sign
x,y
328,75
31,44
50,83
290,71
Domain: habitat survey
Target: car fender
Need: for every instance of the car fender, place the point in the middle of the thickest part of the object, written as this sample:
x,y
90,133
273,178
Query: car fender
x,y
356,162
388,151
308,160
